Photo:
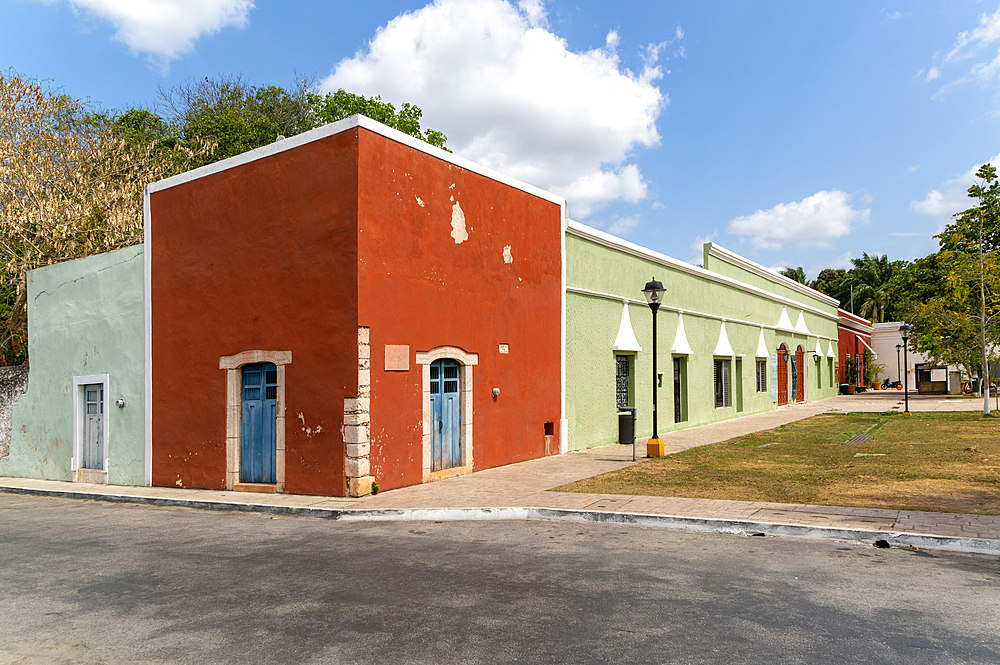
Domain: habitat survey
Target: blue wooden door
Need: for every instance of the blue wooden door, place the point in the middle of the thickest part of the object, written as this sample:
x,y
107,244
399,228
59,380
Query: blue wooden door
x,y
446,415
258,433
92,453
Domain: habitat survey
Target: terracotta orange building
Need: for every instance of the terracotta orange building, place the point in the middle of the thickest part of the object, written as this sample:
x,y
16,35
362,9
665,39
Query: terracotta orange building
x,y
855,337
350,306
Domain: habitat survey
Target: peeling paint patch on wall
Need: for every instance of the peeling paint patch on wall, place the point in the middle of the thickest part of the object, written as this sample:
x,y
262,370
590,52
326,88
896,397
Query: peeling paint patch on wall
x,y
507,258
420,201
458,231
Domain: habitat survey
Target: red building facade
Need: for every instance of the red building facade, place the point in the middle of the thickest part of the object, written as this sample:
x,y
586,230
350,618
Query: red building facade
x,y
402,307
854,335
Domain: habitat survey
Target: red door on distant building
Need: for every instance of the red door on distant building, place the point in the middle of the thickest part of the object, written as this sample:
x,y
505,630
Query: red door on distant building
x,y
782,375
800,369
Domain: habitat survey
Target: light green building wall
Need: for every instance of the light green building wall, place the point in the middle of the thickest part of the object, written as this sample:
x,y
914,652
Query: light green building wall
x,y
603,272
85,318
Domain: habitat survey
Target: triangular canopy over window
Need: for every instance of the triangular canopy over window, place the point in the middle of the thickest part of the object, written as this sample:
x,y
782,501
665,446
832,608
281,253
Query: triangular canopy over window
x,y
681,346
800,325
762,351
818,348
723,348
785,323
626,340
830,353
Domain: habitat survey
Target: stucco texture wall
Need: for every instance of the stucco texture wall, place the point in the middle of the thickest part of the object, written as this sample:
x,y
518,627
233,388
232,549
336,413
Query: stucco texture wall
x,y
449,257
593,322
85,317
262,256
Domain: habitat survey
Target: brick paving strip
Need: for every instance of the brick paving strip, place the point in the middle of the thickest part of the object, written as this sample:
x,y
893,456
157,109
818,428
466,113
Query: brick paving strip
x,y
523,491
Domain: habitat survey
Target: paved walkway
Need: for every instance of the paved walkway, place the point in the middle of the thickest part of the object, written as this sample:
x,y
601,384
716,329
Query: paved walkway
x,y
527,485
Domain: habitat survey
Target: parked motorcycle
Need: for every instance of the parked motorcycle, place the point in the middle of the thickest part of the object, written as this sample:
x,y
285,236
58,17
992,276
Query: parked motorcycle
x,y
887,385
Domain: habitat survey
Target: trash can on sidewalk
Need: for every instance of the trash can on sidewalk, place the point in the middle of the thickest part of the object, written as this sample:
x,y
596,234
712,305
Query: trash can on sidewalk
x,y
626,424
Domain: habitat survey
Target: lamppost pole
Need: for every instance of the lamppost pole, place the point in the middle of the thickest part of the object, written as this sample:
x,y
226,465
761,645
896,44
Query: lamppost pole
x,y
654,296
904,331
898,378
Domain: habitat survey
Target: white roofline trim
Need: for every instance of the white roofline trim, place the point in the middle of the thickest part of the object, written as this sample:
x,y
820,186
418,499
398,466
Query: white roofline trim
x,y
729,256
632,301
614,242
343,126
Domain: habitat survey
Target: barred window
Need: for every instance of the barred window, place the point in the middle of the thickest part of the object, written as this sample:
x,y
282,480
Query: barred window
x,y
721,383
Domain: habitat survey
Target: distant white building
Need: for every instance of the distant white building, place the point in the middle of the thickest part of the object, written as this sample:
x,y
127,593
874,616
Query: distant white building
x,y
922,374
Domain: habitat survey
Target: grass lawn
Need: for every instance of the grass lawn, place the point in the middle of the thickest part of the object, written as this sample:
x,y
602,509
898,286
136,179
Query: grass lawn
x,y
942,462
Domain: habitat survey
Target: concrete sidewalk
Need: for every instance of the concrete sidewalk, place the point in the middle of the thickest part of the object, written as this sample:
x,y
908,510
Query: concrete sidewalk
x,y
523,491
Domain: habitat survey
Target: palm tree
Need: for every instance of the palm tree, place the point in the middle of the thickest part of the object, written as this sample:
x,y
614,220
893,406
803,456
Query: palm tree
x,y
870,279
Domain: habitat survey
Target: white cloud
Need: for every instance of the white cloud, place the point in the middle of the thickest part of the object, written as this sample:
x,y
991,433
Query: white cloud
x,y
697,255
951,197
623,226
968,45
812,222
510,94
165,30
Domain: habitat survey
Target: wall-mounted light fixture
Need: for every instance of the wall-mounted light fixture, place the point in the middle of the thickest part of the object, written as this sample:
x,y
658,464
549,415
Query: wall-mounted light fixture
x,y
120,403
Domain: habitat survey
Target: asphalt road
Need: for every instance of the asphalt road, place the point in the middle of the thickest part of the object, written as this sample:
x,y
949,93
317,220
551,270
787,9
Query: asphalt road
x,y
90,582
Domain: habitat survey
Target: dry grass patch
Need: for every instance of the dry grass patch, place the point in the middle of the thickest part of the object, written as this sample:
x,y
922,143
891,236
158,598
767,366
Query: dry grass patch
x,y
942,462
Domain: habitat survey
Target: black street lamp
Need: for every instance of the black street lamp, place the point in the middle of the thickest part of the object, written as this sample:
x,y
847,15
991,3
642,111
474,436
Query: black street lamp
x,y
898,378
654,296
904,332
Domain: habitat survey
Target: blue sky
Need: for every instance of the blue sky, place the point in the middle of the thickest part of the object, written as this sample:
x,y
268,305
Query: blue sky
x,y
795,133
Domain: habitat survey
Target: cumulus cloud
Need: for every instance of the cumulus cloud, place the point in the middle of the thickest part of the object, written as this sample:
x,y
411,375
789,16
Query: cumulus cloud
x,y
812,222
968,46
165,30
697,248
951,197
623,226
513,96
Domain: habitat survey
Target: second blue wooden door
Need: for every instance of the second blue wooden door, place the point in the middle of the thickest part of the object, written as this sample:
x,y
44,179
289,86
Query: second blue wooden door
x,y
258,433
446,415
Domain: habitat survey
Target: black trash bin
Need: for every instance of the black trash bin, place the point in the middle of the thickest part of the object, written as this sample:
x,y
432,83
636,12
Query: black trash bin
x,y
626,424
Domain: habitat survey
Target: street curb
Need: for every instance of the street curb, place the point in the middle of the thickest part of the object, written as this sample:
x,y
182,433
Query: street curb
x,y
702,524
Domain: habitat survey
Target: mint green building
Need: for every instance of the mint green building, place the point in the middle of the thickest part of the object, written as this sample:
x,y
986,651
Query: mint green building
x,y
734,338
83,415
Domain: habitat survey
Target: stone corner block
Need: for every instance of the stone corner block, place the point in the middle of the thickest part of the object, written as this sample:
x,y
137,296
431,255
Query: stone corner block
x,y
359,486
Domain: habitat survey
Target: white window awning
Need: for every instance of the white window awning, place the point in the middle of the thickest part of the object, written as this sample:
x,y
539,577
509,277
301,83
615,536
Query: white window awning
x,y
874,355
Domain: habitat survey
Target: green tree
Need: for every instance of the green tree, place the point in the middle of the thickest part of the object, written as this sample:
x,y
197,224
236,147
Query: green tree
x,y
870,279
830,281
71,185
339,105
231,114
952,297
797,274
235,116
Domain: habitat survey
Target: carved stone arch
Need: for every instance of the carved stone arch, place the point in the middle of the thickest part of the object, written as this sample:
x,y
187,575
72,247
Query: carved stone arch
x,y
234,409
467,361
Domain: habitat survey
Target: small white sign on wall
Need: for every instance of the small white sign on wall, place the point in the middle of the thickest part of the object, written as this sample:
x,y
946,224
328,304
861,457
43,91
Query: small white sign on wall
x,y
504,348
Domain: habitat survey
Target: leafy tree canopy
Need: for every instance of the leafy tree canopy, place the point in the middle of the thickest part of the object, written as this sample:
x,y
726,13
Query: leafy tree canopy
x,y
797,274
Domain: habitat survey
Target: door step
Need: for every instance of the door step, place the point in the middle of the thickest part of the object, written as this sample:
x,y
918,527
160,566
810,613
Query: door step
x,y
260,488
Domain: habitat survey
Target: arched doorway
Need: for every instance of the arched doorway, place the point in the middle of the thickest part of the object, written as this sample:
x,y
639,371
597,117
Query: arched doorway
x,y
447,411
782,375
800,374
